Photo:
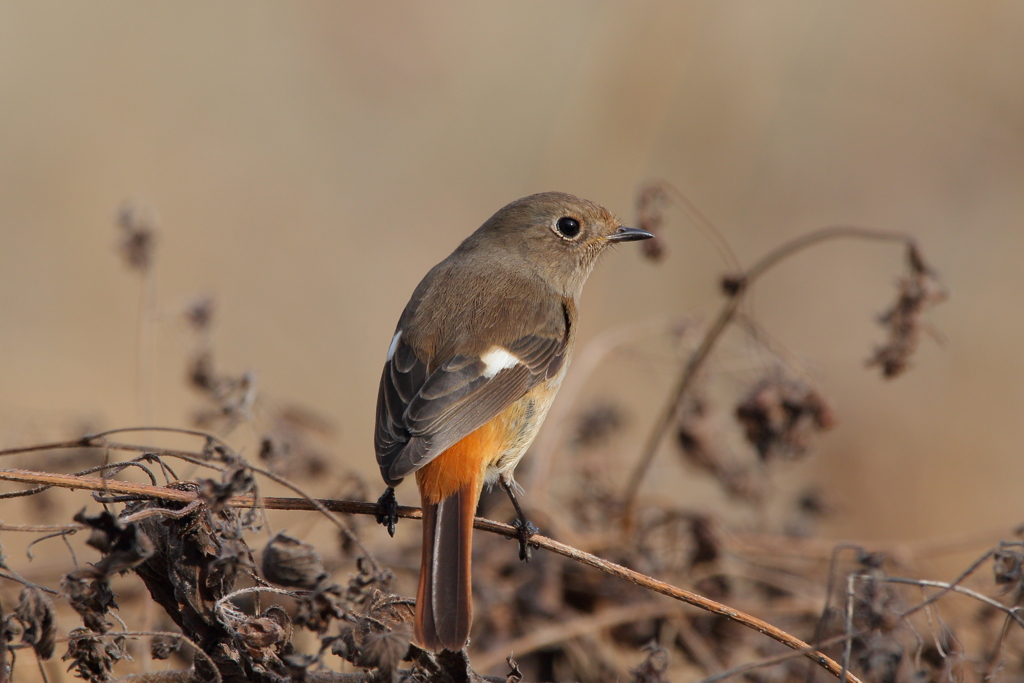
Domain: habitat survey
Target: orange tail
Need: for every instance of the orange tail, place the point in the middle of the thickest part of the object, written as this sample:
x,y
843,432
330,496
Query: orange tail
x,y
450,490
444,601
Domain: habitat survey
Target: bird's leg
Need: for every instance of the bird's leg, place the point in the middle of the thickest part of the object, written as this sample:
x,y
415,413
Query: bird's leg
x,y
524,527
387,510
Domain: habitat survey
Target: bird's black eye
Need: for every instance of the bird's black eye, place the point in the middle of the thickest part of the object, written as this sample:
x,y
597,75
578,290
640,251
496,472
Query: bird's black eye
x,y
569,227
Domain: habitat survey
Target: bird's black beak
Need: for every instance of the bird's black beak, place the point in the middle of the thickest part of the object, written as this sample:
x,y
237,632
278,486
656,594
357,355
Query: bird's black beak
x,y
624,234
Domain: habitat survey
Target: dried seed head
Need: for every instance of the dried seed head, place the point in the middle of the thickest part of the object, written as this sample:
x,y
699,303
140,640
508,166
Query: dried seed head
x,y
918,291
597,424
259,633
365,587
92,599
298,665
654,666
293,563
706,544
1008,567
123,546
199,313
200,372
650,207
385,648
38,620
138,235
316,610
162,647
236,481
876,607
92,656
779,415
515,675
233,556
881,659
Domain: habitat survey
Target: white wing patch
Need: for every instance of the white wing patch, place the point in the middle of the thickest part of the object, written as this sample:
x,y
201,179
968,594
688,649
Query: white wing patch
x,y
394,345
496,360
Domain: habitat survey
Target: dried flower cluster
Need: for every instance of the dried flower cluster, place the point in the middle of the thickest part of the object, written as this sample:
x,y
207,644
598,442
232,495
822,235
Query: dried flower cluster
x,y
138,235
919,290
650,207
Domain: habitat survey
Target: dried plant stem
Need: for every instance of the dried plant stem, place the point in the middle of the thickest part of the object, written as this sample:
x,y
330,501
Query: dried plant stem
x,y
848,643
227,615
1011,612
144,490
739,285
101,442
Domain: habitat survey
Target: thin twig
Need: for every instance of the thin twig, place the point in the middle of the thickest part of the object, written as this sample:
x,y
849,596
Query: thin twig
x,y
1011,612
995,662
100,442
42,528
848,643
226,615
153,512
14,576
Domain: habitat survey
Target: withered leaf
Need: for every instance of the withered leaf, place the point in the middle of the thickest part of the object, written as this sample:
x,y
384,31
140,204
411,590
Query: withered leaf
x,y
287,561
38,619
91,597
123,546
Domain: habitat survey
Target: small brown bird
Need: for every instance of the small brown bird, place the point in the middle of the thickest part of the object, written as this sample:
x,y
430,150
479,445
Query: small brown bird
x,y
477,357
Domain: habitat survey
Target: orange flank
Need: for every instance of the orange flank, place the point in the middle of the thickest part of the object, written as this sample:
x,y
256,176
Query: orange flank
x,y
462,464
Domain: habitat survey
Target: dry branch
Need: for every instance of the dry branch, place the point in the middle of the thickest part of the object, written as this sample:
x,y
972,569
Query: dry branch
x,y
637,578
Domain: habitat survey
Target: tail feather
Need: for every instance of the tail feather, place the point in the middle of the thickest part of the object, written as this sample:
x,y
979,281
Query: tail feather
x,y
444,601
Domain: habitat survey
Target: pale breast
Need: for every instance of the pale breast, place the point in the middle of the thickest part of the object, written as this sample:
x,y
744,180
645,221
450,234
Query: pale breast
x,y
522,420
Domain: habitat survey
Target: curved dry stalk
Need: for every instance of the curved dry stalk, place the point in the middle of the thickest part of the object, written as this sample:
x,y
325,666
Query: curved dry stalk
x,y
735,287
227,615
43,528
635,577
100,442
1012,613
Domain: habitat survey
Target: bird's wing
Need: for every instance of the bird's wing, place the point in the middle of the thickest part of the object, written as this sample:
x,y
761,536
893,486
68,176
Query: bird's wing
x,y
421,414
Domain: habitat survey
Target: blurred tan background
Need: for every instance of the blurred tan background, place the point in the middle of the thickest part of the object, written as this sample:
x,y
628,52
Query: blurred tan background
x,y
310,161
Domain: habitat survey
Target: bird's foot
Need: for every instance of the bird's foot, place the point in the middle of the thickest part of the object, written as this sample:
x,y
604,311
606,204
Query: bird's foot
x,y
387,510
525,529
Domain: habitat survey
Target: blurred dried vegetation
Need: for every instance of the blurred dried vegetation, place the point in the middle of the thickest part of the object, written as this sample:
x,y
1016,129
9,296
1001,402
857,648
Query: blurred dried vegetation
x,y
224,615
